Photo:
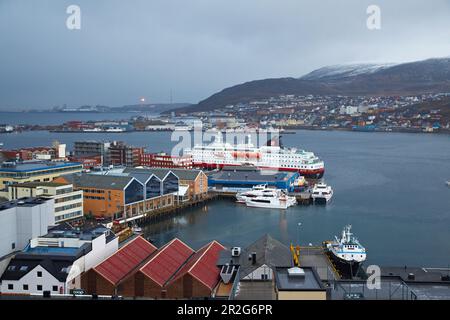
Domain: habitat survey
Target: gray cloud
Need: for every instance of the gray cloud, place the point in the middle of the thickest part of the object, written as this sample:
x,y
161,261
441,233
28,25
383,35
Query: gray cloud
x,y
129,49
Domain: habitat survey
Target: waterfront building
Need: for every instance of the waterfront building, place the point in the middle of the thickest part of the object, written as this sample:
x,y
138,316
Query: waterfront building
x,y
120,154
122,196
33,171
55,262
90,148
68,202
235,179
88,162
105,278
55,152
196,181
163,160
176,271
22,220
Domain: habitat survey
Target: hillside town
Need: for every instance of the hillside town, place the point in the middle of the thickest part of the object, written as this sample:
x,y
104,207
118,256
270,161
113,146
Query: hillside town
x,y
422,113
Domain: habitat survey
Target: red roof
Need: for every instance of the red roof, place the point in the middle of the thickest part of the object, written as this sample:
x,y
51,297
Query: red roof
x,y
167,261
127,258
203,265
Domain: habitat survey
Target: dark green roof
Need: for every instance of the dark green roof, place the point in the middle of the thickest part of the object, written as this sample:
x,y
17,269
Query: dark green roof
x,y
99,181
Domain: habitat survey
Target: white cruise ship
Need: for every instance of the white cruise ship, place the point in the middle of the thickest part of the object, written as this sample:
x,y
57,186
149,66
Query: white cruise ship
x,y
220,154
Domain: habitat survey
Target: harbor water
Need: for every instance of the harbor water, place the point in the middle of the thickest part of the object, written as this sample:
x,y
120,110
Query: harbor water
x,y
389,186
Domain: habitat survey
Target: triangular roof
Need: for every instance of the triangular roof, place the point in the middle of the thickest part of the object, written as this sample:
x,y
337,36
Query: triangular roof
x,y
167,261
269,251
203,265
125,260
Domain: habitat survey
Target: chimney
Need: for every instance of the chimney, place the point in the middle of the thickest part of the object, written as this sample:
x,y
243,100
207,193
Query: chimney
x,y
253,257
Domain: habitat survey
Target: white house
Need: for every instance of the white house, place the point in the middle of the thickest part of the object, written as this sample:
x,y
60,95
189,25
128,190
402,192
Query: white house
x,y
55,262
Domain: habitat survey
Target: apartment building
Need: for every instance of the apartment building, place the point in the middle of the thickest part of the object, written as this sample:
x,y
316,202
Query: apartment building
x,y
68,202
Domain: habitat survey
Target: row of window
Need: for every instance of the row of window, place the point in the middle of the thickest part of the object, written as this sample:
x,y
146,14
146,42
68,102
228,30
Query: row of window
x,y
39,287
70,206
71,215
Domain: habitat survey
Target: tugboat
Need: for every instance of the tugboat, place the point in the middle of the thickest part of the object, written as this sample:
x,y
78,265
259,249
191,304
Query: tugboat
x,y
347,253
322,193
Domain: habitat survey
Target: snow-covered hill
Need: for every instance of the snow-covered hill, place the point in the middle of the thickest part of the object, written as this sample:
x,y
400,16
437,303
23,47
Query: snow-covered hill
x,y
345,70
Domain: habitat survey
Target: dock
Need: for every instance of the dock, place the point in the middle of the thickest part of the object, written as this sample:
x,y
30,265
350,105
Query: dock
x,y
161,213
315,256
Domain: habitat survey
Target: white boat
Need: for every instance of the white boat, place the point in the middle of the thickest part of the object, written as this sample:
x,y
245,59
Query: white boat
x,y
322,193
448,183
275,199
115,129
258,190
136,229
93,130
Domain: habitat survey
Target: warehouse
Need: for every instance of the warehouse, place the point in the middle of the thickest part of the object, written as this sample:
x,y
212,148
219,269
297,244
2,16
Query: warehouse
x,y
235,179
104,278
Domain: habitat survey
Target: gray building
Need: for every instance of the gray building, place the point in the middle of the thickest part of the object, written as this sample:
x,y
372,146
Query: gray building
x,y
22,220
90,148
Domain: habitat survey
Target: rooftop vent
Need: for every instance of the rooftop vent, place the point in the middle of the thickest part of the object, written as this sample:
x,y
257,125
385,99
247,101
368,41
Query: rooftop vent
x,y
236,251
296,272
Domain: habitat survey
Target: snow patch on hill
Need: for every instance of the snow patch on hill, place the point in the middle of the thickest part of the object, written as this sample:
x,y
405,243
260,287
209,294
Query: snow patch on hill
x,y
345,70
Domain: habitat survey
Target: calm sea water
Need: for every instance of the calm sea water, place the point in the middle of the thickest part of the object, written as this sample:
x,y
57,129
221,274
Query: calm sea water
x,y
389,186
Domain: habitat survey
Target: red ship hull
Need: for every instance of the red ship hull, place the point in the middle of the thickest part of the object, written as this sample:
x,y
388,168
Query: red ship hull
x,y
311,174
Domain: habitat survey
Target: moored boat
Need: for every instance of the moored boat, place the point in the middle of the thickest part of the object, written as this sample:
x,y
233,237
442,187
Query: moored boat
x,y
276,199
322,193
269,157
347,253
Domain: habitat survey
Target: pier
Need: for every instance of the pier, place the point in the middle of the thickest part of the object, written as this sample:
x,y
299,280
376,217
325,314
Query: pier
x,y
156,214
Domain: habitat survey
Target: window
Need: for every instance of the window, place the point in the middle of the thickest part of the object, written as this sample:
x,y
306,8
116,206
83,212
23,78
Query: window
x,y
13,246
23,268
55,288
39,287
10,287
25,287
39,274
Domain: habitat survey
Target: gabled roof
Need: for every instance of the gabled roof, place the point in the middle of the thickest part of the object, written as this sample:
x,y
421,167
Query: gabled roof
x,y
24,264
125,260
269,251
98,181
182,174
203,265
159,172
171,257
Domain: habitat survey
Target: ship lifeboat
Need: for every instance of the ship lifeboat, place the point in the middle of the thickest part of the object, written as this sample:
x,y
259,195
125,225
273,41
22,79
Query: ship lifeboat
x,y
252,155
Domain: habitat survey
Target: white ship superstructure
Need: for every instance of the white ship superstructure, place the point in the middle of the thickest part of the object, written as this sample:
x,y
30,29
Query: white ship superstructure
x,y
271,199
220,154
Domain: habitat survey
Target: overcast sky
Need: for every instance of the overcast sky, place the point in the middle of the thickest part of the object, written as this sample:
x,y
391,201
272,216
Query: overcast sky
x,y
127,49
